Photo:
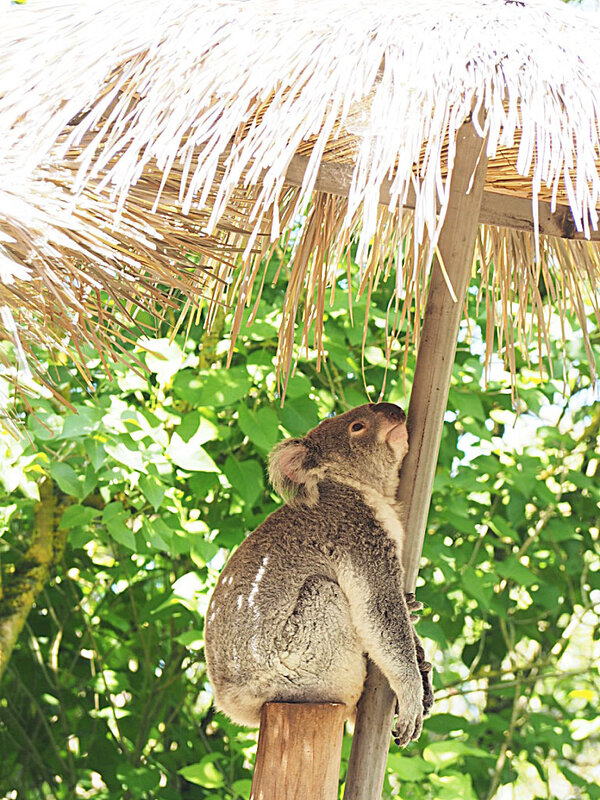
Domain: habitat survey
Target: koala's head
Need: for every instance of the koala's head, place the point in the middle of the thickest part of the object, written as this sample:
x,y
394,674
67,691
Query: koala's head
x,y
365,446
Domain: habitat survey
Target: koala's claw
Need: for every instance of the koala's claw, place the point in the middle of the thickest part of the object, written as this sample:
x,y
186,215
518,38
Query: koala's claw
x,y
412,603
425,669
427,694
407,729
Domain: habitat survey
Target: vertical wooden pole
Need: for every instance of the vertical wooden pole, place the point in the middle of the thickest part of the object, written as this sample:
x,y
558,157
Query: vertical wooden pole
x,y
299,750
429,396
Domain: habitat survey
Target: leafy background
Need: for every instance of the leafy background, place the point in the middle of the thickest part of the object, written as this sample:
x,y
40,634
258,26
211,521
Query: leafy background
x,y
160,474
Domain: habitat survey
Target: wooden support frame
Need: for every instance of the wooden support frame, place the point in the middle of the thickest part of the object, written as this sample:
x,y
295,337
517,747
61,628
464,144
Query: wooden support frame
x,y
506,211
366,768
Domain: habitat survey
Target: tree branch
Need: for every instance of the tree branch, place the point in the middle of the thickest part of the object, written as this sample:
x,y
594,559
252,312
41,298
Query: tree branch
x,y
22,586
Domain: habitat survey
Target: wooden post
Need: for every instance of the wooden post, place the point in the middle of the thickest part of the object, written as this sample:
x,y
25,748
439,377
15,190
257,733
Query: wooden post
x,y
429,396
299,750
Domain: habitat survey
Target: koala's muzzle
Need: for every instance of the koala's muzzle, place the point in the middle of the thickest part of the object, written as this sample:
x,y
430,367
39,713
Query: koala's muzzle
x,y
392,412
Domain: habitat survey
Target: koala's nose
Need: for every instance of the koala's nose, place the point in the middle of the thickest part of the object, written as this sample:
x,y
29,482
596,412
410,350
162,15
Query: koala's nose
x,y
390,410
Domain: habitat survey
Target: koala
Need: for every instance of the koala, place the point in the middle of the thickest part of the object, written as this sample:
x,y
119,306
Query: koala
x,y
318,587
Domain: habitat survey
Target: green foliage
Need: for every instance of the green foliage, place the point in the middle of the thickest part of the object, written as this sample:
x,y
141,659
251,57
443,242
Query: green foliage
x,y
106,693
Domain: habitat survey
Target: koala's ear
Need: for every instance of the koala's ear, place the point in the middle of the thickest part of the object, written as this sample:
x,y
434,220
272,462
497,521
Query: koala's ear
x,y
287,467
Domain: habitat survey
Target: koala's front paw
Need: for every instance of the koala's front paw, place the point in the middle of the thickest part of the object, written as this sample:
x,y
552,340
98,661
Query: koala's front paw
x,y
409,713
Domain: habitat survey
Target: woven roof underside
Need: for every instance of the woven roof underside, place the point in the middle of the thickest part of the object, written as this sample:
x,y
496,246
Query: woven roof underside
x,y
155,131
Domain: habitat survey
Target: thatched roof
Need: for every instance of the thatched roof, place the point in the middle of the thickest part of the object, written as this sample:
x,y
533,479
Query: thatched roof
x,y
139,131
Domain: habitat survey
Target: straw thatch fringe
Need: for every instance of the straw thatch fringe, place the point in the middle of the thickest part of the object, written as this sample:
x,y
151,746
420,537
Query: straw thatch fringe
x,y
513,287
91,303
146,149
69,279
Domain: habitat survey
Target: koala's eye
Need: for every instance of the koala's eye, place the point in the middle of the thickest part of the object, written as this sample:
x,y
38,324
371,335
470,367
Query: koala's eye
x,y
357,426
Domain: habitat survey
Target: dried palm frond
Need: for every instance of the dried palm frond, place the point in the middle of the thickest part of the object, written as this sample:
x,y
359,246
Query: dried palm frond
x,y
157,130
67,278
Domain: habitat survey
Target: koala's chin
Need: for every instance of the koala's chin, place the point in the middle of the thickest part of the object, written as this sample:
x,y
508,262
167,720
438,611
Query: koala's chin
x,y
319,585
397,439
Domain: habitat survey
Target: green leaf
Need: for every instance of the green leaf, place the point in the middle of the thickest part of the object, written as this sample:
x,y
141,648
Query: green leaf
x,y
163,357
45,426
202,551
190,455
204,772
446,723
139,780
453,786
77,515
85,421
242,787
300,415
298,386
583,481
408,768
559,530
67,479
157,534
90,481
202,483
433,630
127,452
464,524
478,585
547,595
214,387
466,404
261,427
200,428
115,517
342,356
512,569
503,529
246,477
192,639
153,489
95,452
444,754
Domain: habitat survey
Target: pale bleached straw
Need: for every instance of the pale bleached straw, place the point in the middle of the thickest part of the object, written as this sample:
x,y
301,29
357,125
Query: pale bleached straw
x,y
172,129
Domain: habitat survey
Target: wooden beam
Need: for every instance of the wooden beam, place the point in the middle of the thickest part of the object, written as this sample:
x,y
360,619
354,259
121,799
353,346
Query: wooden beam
x,y
425,417
504,210
299,751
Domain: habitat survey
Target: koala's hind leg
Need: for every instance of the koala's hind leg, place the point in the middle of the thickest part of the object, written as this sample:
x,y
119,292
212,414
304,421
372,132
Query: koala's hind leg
x,y
317,655
314,656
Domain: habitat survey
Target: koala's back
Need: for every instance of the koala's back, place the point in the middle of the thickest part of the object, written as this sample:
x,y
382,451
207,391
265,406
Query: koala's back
x,y
278,624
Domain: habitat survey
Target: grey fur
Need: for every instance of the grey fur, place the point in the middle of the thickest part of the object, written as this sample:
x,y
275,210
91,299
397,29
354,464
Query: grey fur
x,y
319,584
